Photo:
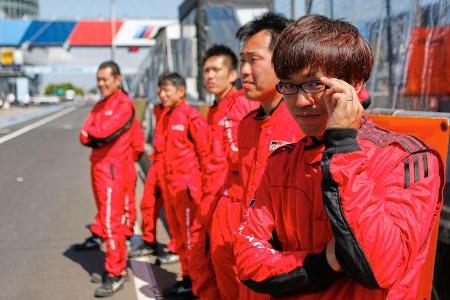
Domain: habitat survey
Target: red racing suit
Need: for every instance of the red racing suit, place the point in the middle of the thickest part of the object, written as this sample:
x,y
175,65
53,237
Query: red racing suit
x,y
152,198
376,192
183,153
258,136
107,130
137,143
223,120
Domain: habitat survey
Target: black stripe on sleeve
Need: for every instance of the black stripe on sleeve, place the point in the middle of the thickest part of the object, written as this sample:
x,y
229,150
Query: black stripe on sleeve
x,y
407,175
108,139
111,171
425,164
416,168
348,251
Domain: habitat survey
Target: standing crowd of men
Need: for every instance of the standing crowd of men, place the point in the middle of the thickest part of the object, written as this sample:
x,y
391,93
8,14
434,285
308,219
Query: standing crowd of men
x,y
286,190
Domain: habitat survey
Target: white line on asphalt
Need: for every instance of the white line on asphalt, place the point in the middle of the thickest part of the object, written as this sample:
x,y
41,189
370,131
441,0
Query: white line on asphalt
x,y
36,124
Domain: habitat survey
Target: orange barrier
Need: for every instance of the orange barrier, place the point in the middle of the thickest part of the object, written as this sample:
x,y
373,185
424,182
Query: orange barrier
x,y
435,133
428,64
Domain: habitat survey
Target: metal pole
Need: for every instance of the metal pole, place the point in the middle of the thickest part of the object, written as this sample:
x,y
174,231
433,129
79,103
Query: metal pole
x,y
202,39
389,46
331,9
308,6
113,29
293,9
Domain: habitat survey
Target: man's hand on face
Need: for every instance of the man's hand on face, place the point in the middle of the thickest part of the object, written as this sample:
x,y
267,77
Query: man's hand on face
x,y
342,103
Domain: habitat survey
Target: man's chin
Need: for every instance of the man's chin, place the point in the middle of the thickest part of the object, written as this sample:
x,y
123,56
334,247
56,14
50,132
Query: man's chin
x,y
312,131
251,95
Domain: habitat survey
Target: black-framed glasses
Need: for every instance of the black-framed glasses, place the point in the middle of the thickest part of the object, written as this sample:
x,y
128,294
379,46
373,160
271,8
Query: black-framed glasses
x,y
310,87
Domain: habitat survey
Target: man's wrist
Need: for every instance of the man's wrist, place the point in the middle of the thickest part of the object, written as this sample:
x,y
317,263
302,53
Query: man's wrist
x,y
331,257
319,271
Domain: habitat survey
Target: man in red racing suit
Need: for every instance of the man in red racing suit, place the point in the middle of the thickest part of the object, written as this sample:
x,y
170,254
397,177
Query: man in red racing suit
x,y
137,144
345,213
107,129
183,154
152,197
224,116
259,133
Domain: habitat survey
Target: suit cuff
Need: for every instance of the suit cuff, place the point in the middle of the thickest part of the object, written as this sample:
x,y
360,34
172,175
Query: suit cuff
x,y
319,271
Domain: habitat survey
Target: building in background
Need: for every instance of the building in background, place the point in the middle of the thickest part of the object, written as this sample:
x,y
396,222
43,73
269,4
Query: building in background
x,y
19,8
207,22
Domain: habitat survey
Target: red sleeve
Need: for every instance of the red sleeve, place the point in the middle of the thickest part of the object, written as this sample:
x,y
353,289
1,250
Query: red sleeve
x,y
231,142
238,110
266,270
381,217
84,136
111,120
198,132
156,168
137,142
149,195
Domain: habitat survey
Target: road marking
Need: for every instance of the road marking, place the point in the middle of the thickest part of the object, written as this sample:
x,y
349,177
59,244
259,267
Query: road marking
x,y
36,124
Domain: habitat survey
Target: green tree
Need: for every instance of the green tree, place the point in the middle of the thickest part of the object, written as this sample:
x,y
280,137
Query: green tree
x,y
58,89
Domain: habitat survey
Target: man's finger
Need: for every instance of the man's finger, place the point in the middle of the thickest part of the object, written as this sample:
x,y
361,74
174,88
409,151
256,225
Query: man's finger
x,y
335,85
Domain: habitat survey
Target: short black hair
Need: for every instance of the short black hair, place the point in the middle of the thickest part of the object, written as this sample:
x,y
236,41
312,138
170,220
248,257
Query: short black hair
x,y
115,70
176,79
222,50
274,23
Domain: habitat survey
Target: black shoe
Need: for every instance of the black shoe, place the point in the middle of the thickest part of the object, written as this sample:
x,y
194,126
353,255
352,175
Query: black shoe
x,y
99,278
110,285
91,243
181,289
143,250
167,258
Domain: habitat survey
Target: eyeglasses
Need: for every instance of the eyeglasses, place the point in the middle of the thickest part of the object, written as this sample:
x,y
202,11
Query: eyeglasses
x,y
310,87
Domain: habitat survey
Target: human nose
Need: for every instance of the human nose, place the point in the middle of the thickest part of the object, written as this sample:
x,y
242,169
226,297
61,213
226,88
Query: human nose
x,y
245,69
303,99
209,74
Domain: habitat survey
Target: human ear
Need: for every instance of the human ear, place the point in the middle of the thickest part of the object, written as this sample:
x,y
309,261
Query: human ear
x,y
358,86
233,76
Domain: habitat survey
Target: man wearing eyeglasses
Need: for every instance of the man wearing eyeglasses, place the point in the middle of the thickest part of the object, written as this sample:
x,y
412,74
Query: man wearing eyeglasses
x,y
352,205
259,133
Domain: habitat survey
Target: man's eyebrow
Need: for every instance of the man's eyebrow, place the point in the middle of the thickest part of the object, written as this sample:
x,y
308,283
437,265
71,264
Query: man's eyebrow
x,y
307,76
242,53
